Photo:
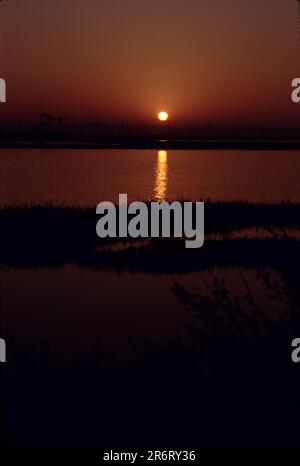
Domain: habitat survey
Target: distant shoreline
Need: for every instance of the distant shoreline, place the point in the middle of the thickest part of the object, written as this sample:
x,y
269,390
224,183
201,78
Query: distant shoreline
x,y
145,144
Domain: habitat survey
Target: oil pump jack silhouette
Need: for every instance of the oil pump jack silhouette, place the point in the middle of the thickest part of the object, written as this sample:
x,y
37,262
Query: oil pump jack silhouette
x,y
49,120
48,126
299,17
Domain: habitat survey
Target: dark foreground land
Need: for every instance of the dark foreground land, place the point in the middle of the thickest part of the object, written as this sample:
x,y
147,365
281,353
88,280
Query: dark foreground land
x,y
231,382
52,132
54,236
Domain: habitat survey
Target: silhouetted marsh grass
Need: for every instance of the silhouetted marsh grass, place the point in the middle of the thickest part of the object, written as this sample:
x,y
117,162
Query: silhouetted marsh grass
x,y
55,235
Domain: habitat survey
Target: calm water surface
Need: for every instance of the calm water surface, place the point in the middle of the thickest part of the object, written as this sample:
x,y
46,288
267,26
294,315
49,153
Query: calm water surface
x,y
52,318
75,306
87,177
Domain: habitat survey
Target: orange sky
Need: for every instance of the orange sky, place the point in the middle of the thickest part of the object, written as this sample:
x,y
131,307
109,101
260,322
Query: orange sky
x,y
203,61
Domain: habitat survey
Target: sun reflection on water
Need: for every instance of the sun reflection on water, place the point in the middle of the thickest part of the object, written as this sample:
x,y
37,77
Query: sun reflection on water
x,y
161,176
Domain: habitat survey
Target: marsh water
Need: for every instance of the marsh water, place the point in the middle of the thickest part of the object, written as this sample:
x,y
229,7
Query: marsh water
x,y
76,308
87,177
114,307
73,313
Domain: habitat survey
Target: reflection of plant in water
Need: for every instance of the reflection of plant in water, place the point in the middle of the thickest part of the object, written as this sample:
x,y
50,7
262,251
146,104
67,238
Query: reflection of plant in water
x,y
232,330
284,288
222,313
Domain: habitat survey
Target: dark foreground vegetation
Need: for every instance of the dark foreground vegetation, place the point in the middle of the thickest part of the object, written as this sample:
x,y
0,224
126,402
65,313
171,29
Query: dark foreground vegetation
x,y
53,236
229,381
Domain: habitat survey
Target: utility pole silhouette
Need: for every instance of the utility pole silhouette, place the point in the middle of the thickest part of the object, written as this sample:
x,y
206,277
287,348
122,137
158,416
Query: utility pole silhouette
x,y
299,17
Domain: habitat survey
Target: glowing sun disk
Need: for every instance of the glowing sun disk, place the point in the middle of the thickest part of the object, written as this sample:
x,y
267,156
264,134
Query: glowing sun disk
x,y
163,116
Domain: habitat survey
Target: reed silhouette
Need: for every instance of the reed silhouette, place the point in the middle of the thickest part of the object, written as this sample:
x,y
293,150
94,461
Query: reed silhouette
x,y
53,236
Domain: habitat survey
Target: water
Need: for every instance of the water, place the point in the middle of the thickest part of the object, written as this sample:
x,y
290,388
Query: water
x,y
59,321
85,300
87,177
74,310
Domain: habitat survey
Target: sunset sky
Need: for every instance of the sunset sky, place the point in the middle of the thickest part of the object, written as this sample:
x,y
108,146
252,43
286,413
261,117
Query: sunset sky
x,y
210,61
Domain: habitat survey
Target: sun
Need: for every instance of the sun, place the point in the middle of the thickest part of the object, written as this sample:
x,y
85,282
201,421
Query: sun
x,y
163,116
